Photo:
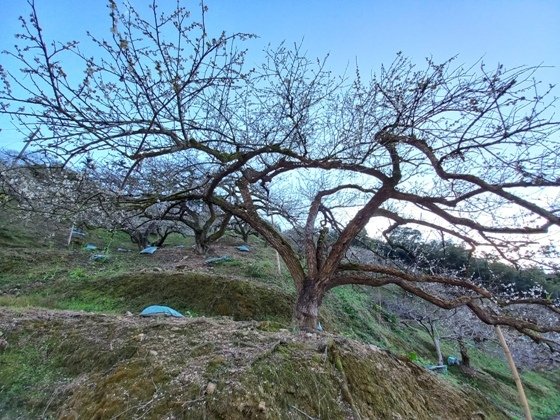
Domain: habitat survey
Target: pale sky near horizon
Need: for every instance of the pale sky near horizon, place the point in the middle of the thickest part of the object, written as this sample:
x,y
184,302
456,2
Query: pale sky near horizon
x,y
370,33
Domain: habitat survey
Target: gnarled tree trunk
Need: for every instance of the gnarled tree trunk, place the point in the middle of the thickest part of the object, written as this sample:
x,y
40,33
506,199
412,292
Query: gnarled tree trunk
x,y
200,242
437,345
309,299
140,238
465,359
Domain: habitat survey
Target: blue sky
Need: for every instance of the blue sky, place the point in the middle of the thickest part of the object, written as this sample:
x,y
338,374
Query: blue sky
x,y
513,32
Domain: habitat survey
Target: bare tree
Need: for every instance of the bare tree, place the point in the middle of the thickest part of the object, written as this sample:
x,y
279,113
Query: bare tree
x,y
453,150
35,184
207,222
463,151
427,316
242,229
143,228
162,175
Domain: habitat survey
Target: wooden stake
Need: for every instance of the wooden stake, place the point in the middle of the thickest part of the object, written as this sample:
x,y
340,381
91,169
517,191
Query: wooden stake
x,y
27,143
515,373
278,264
70,235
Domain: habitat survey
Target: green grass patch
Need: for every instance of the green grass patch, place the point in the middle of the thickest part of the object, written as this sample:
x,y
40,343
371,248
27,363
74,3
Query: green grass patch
x,y
90,304
203,294
26,301
351,311
494,379
26,376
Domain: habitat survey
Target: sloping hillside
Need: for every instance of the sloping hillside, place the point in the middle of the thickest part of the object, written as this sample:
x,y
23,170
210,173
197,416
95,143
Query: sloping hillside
x,y
69,365
68,351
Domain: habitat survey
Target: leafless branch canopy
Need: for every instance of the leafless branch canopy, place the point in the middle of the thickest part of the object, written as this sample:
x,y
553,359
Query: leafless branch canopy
x,y
468,152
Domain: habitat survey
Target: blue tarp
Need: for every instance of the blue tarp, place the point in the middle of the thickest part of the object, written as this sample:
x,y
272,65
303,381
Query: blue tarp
x,y
78,233
218,260
452,361
437,368
149,250
244,248
155,310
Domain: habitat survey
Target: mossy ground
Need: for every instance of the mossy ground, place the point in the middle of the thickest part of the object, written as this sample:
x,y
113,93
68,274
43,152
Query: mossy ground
x,y
100,366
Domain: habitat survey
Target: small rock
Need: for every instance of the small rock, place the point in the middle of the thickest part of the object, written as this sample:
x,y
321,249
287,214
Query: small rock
x,y
128,313
140,337
262,406
153,353
210,388
3,344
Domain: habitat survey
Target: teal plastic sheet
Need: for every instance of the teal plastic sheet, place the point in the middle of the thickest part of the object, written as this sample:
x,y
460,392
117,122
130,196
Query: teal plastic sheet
x,y
149,250
155,310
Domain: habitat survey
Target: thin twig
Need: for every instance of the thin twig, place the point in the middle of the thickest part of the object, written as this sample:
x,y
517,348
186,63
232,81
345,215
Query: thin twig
x,y
303,413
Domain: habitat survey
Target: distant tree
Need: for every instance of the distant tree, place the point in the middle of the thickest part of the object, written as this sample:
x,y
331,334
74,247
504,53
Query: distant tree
x,y
427,317
38,184
445,257
462,326
405,245
144,229
448,148
242,229
207,222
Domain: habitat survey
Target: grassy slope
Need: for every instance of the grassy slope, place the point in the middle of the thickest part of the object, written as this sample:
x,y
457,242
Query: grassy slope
x,y
51,277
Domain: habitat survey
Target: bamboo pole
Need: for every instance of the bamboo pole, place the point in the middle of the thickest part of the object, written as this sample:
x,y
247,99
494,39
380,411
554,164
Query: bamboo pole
x,y
278,264
515,373
27,143
70,235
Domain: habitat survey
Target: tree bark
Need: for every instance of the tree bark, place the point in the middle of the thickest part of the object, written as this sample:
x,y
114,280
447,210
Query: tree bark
x,y
71,227
437,345
465,359
308,302
430,327
200,243
140,239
